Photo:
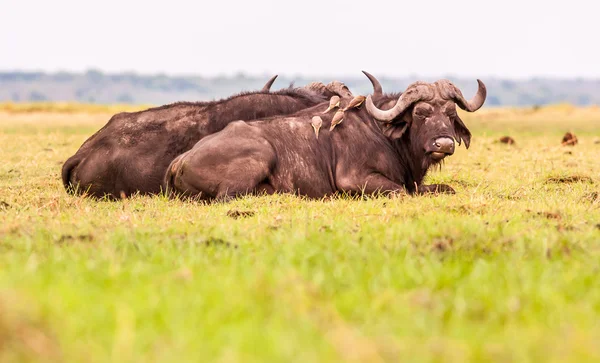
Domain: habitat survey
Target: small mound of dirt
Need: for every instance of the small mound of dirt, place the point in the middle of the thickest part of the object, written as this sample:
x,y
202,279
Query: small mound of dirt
x,y
443,244
569,139
235,214
562,228
569,179
324,229
597,142
506,140
550,215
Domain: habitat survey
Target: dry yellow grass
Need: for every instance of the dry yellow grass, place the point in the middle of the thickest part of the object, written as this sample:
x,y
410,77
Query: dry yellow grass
x,y
545,119
66,107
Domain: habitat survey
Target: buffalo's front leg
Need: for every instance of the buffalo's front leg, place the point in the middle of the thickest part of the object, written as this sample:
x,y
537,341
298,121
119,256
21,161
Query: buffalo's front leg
x,y
372,184
435,189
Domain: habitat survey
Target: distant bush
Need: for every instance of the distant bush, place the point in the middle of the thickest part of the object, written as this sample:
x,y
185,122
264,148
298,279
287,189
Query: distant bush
x,y
36,96
96,86
125,98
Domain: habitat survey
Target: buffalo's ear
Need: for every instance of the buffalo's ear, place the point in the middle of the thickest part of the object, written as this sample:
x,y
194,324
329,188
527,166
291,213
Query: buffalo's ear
x,y
395,131
397,128
462,132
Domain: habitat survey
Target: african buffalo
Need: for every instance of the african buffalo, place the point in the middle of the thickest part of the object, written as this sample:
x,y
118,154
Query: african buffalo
x,y
132,151
365,150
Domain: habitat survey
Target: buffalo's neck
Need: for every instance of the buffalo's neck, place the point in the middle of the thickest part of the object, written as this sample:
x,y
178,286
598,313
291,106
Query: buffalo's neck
x,y
407,166
412,163
415,166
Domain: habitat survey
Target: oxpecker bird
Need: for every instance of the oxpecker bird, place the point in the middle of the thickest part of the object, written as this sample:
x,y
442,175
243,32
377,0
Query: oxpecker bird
x,y
333,103
356,102
316,123
337,119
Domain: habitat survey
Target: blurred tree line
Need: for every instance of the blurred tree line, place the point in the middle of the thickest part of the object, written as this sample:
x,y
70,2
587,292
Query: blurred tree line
x,y
95,86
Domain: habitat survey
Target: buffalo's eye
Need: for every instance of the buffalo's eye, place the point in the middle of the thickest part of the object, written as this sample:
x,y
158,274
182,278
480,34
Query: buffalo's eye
x,y
423,112
450,111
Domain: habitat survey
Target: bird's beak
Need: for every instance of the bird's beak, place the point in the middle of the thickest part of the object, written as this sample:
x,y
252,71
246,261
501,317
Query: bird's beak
x,y
329,108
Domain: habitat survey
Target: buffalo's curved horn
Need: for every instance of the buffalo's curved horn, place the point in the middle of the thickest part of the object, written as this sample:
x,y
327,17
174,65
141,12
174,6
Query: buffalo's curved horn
x,y
474,103
385,116
416,92
377,90
267,86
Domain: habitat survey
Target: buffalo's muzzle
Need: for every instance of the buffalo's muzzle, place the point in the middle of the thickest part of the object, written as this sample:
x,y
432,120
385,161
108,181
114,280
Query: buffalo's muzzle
x,y
442,147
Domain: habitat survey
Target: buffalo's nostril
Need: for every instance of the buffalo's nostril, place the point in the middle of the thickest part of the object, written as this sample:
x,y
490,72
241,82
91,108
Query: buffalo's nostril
x,y
444,145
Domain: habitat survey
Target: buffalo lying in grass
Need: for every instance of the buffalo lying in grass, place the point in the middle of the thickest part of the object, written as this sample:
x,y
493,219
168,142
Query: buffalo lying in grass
x,y
132,151
370,150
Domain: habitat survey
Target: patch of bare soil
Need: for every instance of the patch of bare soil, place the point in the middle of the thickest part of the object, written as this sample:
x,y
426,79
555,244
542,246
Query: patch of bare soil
x,y
569,179
218,242
68,238
443,244
235,214
550,215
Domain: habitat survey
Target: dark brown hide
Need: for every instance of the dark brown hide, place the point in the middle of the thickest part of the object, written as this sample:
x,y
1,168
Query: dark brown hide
x,y
361,155
130,154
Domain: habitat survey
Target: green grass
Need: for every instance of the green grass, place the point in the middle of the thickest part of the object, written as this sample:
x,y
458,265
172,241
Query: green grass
x,y
505,270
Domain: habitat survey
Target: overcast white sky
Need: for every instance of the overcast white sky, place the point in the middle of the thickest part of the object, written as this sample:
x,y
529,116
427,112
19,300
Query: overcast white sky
x,y
511,38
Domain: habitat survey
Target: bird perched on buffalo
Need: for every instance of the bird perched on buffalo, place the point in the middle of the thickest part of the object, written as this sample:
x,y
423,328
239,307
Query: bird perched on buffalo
x,y
337,119
334,102
356,102
316,123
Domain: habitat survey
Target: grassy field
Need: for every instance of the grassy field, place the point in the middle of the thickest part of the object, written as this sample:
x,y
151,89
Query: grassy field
x,y
505,270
